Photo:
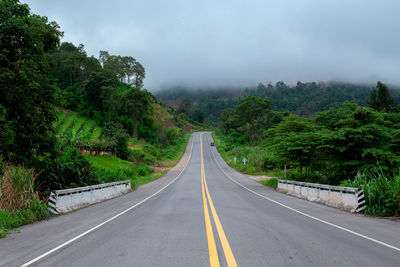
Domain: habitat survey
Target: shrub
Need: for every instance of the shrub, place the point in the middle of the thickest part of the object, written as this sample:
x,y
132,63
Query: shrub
x,y
273,182
114,175
138,155
143,170
382,192
70,169
17,187
19,203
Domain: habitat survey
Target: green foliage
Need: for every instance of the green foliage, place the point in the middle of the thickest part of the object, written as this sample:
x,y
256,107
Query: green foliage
x,y
295,140
175,150
260,159
381,100
273,182
137,103
26,90
337,143
17,187
70,169
304,99
115,134
19,203
251,117
381,190
35,211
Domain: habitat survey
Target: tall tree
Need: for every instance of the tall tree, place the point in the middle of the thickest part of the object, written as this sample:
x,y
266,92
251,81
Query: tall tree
x,y
137,103
26,91
139,74
380,99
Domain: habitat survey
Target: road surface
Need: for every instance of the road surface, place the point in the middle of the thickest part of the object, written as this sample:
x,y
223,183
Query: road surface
x,y
203,213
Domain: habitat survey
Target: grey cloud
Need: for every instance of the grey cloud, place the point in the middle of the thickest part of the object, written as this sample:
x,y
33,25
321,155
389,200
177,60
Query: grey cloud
x,y
239,42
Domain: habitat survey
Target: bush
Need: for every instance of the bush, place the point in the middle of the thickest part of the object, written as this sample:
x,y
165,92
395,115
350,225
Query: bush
x,y
114,175
70,169
19,202
17,187
143,170
273,182
138,155
382,192
35,210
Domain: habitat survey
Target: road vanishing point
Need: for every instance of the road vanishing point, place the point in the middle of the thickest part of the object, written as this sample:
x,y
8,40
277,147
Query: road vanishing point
x,y
204,213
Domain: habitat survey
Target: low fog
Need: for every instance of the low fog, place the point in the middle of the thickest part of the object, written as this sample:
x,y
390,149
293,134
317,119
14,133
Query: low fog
x,y
234,43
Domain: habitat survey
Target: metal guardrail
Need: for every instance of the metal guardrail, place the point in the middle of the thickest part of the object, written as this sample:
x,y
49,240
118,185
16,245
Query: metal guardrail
x,y
329,194
79,192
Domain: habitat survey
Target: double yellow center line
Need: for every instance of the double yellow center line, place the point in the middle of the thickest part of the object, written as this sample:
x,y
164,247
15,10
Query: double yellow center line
x,y
214,261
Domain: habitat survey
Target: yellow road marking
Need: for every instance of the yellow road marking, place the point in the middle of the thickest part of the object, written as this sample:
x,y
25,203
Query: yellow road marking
x,y
214,261
230,259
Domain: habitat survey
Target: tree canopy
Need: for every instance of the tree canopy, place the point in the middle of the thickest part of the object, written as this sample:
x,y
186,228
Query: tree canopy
x,y
27,94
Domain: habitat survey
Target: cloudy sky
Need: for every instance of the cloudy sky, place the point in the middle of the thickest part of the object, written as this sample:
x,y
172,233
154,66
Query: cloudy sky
x,y
230,42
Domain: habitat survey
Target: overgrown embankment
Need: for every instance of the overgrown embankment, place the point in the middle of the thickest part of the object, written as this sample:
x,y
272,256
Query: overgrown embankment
x,y
19,201
352,146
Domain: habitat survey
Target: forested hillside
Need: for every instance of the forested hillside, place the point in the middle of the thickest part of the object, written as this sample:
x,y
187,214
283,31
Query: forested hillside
x,y
305,99
352,145
68,119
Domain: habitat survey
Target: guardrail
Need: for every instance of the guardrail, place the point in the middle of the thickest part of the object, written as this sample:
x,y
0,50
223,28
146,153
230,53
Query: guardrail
x,y
65,200
347,198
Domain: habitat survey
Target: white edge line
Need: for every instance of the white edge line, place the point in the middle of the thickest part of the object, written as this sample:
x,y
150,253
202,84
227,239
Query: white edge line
x,y
305,214
109,220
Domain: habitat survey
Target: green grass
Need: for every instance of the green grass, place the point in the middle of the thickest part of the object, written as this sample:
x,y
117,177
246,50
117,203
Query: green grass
x,y
96,133
111,168
67,122
60,116
9,220
78,124
273,182
79,120
88,125
259,160
118,169
109,162
173,153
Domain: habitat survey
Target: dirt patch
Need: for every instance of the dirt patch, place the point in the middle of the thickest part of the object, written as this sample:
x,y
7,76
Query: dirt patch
x,y
161,168
263,177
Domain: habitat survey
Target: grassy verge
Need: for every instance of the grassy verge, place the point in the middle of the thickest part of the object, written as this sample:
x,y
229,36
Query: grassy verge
x,y
273,182
111,168
10,220
258,158
173,153
19,203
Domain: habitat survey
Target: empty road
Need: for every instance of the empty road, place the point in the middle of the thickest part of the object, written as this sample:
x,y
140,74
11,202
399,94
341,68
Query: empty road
x,y
203,213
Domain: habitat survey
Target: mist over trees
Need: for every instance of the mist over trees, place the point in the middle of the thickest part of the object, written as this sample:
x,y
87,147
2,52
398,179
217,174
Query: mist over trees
x,y
305,99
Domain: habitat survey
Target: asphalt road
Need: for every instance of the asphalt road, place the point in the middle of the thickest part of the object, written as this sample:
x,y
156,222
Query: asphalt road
x,y
204,213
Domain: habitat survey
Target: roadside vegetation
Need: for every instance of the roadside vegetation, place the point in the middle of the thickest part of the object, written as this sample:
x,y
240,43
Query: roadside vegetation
x,y
352,145
19,201
77,120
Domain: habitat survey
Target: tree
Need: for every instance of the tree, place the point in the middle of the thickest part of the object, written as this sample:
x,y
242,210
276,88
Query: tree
x,y
198,115
139,74
295,140
94,87
184,106
137,103
380,99
251,117
26,91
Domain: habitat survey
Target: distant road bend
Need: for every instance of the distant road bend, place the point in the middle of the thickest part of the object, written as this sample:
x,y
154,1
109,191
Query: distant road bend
x,y
203,213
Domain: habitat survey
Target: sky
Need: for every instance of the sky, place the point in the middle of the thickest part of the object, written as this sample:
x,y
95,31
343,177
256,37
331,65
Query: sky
x,y
208,43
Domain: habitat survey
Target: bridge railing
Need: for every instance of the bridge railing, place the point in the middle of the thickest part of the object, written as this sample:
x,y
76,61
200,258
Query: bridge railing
x,y
65,200
347,198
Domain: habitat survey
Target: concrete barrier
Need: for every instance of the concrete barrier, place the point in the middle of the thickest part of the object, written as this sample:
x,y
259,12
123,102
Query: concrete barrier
x,y
347,198
62,201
